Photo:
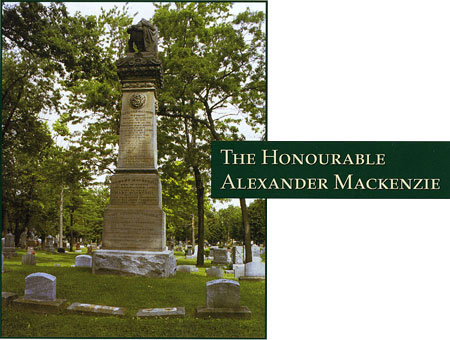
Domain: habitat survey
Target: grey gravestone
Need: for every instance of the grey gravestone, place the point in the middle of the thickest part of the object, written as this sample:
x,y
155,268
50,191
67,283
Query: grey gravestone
x,y
161,312
254,271
40,294
185,268
87,308
49,243
221,256
256,253
223,300
214,272
134,233
9,250
29,259
238,254
189,250
83,261
239,270
8,297
40,286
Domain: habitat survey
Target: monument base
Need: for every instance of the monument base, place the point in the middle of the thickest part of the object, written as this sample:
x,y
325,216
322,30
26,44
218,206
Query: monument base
x,y
238,312
128,262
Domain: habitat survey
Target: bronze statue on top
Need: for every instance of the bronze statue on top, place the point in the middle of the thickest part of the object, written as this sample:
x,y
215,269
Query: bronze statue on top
x,y
145,36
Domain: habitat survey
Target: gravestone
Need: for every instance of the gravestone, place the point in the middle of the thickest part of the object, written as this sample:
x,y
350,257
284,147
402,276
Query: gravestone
x,y
186,268
214,272
161,312
254,271
23,239
223,299
90,309
8,297
189,250
221,256
134,233
83,261
29,259
40,286
49,243
238,254
239,270
40,294
194,255
256,253
9,250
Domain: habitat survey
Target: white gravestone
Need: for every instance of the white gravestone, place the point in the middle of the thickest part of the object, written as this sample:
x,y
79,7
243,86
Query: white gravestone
x,y
40,286
255,269
238,254
83,261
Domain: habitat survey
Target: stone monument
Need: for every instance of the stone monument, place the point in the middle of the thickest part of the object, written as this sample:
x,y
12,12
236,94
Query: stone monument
x,y
9,250
134,233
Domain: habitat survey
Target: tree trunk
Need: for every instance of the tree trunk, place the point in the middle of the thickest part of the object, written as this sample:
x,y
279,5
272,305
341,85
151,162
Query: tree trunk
x,y
61,210
247,237
200,214
71,229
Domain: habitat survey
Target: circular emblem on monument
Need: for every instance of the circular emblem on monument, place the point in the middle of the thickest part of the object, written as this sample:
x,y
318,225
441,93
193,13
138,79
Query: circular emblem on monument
x,y
138,100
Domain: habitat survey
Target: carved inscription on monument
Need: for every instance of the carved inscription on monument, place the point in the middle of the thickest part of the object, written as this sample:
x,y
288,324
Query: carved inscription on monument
x,y
132,189
137,141
134,228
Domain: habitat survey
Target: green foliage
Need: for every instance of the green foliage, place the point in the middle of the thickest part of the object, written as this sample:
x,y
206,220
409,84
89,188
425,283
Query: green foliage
x,y
257,220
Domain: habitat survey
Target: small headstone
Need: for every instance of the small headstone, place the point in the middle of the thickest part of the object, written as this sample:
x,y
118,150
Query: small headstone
x,y
238,254
221,256
87,308
23,240
9,250
186,268
189,250
83,261
49,243
8,297
254,271
40,286
161,312
256,252
40,294
57,265
214,272
223,300
223,293
29,259
239,270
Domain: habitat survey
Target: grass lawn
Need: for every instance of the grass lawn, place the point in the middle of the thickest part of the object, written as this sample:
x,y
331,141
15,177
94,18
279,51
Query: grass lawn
x,y
133,293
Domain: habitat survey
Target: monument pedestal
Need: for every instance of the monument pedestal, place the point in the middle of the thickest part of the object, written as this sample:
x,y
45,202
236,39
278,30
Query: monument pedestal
x,y
127,262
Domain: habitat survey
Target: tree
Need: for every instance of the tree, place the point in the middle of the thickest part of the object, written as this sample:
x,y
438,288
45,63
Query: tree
x,y
257,220
213,63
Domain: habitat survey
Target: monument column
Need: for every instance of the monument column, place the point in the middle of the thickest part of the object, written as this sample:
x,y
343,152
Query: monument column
x,y
134,233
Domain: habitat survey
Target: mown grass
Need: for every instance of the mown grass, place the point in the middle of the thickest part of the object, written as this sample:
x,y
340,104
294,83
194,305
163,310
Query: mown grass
x,y
133,293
